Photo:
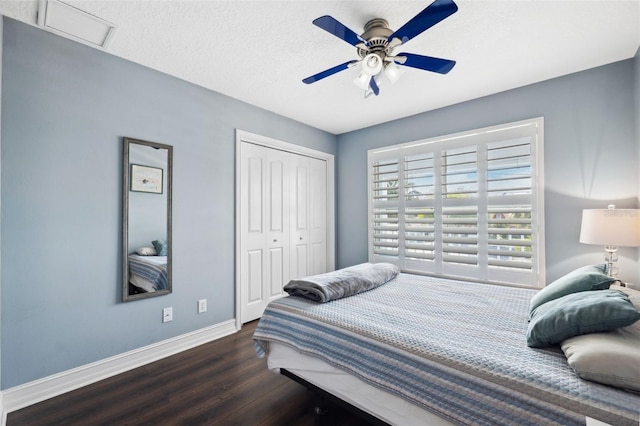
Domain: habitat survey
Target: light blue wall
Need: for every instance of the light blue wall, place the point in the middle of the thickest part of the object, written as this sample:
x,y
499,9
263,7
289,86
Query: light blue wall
x,y
65,109
590,157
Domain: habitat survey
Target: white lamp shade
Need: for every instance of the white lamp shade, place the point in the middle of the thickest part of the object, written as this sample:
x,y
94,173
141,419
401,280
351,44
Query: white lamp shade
x,y
372,64
613,227
362,81
393,72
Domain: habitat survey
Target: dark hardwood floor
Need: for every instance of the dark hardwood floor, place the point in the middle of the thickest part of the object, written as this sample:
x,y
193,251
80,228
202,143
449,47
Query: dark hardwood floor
x,y
218,383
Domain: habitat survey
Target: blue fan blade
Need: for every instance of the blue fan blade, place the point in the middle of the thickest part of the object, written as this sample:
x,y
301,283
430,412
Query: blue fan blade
x,y
374,87
434,13
331,25
441,66
327,73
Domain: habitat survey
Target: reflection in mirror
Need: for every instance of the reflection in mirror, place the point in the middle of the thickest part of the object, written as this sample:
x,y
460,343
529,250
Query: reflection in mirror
x,y
146,219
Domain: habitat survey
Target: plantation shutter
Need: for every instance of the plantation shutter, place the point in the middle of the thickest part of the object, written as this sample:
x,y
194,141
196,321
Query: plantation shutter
x,y
418,230
463,206
510,207
385,211
459,211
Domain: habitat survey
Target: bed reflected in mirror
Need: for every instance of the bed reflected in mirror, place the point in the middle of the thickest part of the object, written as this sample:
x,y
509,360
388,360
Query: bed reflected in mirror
x,y
146,219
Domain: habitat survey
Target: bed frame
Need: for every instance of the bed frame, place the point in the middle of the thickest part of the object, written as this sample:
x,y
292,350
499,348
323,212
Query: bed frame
x,y
325,395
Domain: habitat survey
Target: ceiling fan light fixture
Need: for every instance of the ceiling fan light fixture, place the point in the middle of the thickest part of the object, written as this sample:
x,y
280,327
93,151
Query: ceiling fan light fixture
x,y
372,64
362,81
393,72
376,45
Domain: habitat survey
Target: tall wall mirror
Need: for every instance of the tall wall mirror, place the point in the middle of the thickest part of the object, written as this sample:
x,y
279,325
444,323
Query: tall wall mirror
x,y
146,219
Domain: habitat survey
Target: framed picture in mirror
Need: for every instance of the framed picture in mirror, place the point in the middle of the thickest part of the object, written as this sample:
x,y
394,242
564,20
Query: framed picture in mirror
x,y
146,179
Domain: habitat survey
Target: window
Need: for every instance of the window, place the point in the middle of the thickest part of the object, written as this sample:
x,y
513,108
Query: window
x,y
468,205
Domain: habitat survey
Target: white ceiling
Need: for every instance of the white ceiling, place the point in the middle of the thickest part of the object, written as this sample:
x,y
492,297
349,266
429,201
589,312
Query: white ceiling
x,y
259,51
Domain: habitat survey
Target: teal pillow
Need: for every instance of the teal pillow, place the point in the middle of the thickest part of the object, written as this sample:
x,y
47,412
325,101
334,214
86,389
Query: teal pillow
x,y
579,313
160,246
592,277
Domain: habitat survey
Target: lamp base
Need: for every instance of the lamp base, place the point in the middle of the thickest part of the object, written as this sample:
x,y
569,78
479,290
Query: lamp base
x,y
611,258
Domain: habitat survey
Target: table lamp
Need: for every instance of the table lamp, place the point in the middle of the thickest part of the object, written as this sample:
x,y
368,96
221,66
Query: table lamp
x,y
611,228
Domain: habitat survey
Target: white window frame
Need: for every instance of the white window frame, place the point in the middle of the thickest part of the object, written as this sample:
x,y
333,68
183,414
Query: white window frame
x,y
533,129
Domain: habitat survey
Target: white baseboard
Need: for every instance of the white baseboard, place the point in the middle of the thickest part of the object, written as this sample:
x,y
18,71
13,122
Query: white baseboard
x,y
3,412
21,396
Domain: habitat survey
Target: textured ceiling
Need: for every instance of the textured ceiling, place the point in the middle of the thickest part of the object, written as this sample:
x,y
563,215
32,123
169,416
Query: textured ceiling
x,y
259,51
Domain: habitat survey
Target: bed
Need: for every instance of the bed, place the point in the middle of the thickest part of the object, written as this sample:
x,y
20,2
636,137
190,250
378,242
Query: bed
x,y
422,350
148,273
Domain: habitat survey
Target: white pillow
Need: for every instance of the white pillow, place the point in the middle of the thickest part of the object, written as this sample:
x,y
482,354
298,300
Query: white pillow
x,y
146,251
612,358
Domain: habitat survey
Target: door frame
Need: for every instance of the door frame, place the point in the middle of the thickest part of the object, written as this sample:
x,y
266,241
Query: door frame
x,y
248,137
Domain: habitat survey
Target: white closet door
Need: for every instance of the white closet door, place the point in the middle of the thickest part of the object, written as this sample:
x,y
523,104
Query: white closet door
x,y
308,217
283,223
317,216
264,217
277,238
299,184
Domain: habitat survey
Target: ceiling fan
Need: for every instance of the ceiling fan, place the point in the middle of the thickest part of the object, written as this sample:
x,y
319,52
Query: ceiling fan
x,y
376,44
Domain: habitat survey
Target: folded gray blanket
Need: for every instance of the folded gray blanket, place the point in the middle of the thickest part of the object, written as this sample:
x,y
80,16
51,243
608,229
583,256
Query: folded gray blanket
x,y
343,282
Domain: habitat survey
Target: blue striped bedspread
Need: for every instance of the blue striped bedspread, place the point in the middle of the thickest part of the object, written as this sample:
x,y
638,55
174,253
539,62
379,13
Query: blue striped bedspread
x,y
457,349
152,269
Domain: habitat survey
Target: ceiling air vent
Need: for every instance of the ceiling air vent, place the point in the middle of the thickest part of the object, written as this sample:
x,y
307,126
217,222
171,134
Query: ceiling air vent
x,y
67,21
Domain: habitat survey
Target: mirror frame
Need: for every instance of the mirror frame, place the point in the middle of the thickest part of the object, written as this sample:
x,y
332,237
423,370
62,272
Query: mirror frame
x,y
126,297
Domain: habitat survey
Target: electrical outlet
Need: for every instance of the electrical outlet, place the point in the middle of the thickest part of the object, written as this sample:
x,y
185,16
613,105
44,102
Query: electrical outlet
x,y
202,306
167,314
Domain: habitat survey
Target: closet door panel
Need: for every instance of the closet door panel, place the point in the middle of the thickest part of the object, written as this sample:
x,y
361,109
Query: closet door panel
x,y
255,194
301,191
255,263
276,195
276,269
301,262
300,214
318,259
252,232
277,240
318,216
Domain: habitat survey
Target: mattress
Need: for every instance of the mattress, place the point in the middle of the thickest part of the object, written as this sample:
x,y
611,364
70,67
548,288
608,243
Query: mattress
x,y
455,349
